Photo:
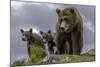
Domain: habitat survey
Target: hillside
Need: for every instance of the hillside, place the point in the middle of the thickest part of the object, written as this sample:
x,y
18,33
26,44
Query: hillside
x,y
38,56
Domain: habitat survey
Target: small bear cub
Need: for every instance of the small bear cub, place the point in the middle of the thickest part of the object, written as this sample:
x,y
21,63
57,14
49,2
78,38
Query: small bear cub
x,y
48,39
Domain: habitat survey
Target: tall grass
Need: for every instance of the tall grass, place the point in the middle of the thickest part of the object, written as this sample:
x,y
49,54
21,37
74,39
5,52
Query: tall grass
x,y
37,54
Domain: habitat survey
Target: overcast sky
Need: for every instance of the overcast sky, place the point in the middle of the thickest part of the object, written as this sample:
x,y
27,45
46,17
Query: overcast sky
x,y
42,16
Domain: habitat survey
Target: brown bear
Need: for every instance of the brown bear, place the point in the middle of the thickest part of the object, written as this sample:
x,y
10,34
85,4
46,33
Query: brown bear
x,y
69,29
49,41
31,39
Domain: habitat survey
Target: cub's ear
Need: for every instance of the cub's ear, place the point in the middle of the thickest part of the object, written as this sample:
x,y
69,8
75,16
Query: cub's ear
x,y
30,30
58,10
41,32
21,30
72,11
49,31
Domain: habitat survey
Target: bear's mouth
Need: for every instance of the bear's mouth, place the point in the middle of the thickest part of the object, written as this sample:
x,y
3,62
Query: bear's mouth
x,y
62,29
44,41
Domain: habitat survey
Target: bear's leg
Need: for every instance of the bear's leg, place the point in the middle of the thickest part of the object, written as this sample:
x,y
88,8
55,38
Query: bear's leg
x,y
57,52
60,45
50,48
60,49
52,51
29,50
68,48
77,43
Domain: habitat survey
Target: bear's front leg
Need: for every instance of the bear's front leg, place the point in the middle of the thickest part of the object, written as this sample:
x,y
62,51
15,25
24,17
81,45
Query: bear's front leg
x,y
68,47
77,42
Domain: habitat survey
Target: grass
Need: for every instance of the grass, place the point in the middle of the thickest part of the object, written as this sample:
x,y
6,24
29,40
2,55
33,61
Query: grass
x,y
38,53
18,63
78,58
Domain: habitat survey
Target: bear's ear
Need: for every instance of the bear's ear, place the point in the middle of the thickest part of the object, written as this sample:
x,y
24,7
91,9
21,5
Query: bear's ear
x,y
72,11
41,32
21,30
58,11
49,31
30,30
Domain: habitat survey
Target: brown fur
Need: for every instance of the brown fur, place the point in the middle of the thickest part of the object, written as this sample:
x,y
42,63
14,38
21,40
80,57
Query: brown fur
x,y
32,39
48,37
70,25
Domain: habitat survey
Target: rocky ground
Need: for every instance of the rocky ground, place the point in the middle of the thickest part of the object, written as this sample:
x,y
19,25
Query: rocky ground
x,y
38,57
53,59
59,59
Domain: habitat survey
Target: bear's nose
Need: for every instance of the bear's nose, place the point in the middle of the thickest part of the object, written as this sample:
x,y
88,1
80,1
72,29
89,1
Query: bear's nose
x,y
23,39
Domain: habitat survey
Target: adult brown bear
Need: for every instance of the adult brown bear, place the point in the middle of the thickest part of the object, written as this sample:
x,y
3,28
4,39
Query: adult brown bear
x,y
69,29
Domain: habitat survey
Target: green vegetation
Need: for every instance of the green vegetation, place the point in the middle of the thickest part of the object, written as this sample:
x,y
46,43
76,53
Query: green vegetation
x,y
18,63
38,53
79,58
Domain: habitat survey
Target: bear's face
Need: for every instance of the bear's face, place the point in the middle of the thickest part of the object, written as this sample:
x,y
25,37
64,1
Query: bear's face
x,y
66,19
46,37
26,35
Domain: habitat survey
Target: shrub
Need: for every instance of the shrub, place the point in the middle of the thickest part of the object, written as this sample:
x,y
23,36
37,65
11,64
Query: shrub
x,y
37,53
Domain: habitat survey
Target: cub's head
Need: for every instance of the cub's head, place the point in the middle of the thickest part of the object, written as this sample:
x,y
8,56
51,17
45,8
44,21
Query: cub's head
x,y
66,18
46,37
26,35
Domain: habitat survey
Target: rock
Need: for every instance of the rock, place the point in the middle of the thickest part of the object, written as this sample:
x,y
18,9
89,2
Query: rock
x,y
90,52
53,59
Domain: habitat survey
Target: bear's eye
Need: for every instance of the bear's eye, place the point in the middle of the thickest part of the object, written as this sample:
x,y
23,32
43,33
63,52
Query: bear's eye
x,y
44,37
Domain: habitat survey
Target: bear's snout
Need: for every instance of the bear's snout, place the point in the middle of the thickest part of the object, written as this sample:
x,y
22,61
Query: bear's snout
x,y
23,39
62,29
